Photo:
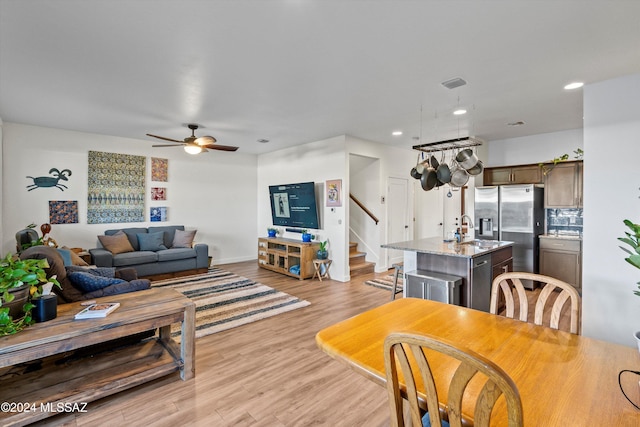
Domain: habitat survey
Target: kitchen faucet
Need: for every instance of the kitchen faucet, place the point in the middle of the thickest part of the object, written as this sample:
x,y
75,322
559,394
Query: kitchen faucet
x,y
469,221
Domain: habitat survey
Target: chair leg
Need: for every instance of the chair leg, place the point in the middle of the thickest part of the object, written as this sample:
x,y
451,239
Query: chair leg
x,y
395,283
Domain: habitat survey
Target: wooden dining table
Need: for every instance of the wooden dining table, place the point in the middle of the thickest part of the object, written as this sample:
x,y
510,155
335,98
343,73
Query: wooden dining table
x,y
563,378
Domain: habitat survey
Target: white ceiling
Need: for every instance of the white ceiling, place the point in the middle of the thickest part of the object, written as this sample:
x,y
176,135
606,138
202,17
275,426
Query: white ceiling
x,y
296,71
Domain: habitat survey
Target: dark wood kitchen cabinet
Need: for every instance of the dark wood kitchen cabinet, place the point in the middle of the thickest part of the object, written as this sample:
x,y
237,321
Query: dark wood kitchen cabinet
x,y
562,259
563,185
523,174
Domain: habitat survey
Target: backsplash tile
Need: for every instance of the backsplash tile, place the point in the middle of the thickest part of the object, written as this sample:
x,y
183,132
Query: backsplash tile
x,y
564,221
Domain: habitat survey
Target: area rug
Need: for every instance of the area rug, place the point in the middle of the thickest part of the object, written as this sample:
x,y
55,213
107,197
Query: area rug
x,y
225,300
385,282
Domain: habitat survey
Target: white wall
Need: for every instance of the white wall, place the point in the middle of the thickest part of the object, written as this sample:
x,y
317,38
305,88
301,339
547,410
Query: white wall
x,y
318,162
533,149
214,192
611,131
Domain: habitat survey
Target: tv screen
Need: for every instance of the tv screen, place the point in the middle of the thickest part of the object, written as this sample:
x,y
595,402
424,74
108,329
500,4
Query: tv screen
x,y
294,205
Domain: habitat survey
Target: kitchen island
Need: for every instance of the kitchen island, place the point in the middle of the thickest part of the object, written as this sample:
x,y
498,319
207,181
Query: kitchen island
x,y
477,262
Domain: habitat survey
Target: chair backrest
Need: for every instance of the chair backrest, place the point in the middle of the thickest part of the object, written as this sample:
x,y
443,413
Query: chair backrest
x,y
398,347
506,282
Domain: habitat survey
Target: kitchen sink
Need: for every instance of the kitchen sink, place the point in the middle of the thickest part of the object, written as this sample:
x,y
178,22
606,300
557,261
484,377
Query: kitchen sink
x,y
484,244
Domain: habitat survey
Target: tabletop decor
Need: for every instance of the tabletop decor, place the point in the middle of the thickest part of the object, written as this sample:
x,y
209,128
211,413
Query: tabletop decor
x,y
20,282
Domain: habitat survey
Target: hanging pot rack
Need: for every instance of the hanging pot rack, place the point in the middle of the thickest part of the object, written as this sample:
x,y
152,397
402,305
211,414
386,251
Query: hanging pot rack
x,y
449,144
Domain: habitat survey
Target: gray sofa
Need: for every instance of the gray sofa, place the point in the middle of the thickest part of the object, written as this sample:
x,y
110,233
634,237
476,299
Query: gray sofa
x,y
148,263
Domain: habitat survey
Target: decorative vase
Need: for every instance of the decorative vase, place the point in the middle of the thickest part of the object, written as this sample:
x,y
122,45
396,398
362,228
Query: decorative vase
x,y
20,296
322,254
306,237
45,308
271,233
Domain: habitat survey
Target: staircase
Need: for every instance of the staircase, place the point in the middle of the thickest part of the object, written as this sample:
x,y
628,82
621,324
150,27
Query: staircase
x,y
357,264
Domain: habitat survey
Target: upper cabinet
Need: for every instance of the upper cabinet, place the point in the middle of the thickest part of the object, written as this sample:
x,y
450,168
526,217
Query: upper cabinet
x,y
563,185
524,174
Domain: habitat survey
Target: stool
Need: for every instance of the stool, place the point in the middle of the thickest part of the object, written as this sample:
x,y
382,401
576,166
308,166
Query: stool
x,y
316,264
399,269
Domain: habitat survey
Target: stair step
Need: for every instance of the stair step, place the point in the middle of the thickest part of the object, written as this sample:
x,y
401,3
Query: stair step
x,y
361,269
353,247
357,258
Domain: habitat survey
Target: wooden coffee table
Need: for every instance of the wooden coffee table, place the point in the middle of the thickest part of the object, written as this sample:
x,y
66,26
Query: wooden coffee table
x,y
52,385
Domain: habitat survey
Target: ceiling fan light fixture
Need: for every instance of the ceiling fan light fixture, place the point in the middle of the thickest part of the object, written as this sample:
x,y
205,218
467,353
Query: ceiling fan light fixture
x,y
193,148
205,140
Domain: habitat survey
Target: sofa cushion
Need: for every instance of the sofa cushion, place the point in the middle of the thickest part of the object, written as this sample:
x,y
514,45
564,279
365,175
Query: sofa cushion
x,y
183,239
109,272
168,230
75,258
132,235
134,258
66,256
117,243
176,254
151,241
88,282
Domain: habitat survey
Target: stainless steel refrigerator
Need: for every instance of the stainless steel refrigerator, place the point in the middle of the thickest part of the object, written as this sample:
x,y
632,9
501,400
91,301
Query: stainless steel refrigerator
x,y
513,213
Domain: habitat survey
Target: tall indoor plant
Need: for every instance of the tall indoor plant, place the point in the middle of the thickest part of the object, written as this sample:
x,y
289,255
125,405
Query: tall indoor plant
x,y
20,275
632,239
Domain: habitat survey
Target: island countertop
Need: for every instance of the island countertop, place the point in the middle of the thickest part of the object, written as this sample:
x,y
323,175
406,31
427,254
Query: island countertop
x,y
436,245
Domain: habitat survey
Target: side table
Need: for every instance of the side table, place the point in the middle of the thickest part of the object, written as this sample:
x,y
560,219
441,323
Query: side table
x,y
317,263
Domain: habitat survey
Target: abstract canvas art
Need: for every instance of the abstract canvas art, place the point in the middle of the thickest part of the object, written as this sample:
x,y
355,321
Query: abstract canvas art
x,y
116,188
159,169
63,212
158,214
158,193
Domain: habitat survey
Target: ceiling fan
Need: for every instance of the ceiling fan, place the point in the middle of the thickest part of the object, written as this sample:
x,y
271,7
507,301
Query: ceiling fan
x,y
193,144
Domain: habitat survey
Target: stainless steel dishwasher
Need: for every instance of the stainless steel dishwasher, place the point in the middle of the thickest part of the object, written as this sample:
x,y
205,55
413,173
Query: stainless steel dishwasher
x,y
481,283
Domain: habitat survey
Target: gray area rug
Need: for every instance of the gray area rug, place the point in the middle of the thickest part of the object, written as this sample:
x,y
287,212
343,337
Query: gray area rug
x,y
225,300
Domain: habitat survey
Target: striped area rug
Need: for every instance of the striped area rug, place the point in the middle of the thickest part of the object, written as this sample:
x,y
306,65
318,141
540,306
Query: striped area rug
x,y
385,282
225,300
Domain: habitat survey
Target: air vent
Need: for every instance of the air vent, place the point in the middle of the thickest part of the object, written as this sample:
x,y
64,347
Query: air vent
x,y
454,83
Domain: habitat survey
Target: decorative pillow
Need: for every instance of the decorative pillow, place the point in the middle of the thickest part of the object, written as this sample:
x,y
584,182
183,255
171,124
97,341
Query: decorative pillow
x,y
109,272
117,243
66,256
151,241
183,239
88,282
75,258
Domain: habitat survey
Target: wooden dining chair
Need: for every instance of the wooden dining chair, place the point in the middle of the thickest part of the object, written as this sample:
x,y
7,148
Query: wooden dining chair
x,y
401,348
505,284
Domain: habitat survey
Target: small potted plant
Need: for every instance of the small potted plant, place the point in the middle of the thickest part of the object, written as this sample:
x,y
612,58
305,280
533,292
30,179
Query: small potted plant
x,y
273,231
20,281
323,253
306,236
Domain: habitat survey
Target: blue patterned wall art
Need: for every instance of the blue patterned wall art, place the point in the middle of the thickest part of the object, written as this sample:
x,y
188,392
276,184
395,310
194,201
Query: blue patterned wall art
x,y
63,212
116,188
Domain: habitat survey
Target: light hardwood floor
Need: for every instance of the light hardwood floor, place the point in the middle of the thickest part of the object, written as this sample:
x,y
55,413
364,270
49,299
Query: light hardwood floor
x,y
267,373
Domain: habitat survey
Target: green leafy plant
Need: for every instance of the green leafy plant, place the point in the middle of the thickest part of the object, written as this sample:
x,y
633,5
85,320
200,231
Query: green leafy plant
x,y
324,245
274,230
16,273
632,239
578,156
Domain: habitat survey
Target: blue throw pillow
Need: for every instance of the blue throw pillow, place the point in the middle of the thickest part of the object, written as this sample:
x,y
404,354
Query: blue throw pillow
x,y
151,241
66,256
96,271
88,282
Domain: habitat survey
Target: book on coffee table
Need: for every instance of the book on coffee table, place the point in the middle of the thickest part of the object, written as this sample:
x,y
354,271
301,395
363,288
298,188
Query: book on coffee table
x,y
97,310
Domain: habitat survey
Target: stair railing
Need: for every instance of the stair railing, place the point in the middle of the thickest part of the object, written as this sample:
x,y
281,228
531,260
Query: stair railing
x,y
364,208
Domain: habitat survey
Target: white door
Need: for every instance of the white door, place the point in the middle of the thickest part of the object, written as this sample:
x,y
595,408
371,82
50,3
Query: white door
x,y
452,208
398,226
428,212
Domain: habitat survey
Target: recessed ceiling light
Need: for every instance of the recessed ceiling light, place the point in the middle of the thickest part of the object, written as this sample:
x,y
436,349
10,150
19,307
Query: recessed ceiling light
x,y
460,112
396,133
518,123
574,85
263,141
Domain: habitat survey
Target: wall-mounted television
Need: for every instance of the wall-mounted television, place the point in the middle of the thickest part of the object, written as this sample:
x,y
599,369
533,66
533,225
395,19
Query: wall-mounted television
x,y
294,205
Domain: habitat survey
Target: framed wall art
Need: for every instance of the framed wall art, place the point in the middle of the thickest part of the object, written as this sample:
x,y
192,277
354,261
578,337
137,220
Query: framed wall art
x,y
334,192
158,193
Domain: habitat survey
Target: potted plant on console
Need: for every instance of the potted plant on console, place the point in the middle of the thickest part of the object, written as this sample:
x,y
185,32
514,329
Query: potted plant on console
x,y
273,231
306,236
20,281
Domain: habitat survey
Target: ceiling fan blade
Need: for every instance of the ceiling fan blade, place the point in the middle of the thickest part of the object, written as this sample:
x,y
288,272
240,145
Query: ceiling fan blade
x,y
162,137
220,147
169,145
